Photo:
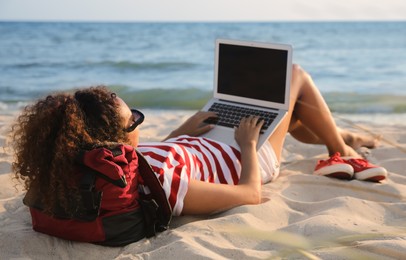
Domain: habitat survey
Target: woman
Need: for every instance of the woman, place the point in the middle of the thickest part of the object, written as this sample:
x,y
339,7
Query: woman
x,y
198,176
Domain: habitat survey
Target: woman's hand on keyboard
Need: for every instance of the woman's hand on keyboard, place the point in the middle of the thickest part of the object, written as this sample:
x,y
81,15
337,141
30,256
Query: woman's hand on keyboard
x,y
247,133
194,126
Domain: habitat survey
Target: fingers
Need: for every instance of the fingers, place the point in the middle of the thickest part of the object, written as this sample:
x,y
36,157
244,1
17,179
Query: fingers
x,y
250,124
252,121
203,115
194,126
247,133
203,129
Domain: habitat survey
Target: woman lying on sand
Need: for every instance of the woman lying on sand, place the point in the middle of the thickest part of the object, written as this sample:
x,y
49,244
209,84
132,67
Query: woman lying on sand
x,y
198,176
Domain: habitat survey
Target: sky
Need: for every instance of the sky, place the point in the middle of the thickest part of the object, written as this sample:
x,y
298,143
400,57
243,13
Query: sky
x,y
203,10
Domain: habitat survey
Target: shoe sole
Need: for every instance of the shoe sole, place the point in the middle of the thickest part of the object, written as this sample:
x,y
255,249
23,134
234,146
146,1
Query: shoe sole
x,y
338,171
340,175
374,174
375,179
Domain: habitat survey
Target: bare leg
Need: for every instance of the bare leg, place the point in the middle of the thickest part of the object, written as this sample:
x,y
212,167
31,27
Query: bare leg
x,y
354,140
308,106
357,140
302,133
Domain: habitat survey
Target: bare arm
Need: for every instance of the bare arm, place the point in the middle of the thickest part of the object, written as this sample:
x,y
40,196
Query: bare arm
x,y
194,126
206,198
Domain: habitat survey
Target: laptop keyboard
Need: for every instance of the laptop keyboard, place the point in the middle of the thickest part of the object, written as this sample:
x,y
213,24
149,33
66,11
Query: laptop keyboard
x,y
230,115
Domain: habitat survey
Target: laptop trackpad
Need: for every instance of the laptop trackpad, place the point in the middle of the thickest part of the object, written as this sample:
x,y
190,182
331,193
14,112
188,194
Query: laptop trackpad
x,y
222,134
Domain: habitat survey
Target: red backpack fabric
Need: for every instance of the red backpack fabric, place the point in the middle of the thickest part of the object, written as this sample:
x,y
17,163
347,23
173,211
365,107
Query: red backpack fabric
x,y
123,201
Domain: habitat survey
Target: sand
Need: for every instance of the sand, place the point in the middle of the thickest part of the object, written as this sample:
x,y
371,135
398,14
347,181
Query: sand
x,y
302,216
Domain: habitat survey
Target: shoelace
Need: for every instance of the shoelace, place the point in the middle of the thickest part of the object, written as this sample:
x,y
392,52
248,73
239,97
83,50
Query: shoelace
x,y
359,162
336,157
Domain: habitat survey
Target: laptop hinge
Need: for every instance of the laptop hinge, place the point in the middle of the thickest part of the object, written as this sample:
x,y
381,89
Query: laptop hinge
x,y
248,105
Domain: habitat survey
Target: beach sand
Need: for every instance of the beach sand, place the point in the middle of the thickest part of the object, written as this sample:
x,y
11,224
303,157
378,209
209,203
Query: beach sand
x,y
302,216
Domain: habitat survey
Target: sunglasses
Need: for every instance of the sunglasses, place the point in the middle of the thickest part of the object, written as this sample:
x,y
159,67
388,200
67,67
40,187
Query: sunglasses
x,y
137,119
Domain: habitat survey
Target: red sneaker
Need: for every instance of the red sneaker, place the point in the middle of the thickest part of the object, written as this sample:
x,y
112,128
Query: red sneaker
x,y
365,171
334,167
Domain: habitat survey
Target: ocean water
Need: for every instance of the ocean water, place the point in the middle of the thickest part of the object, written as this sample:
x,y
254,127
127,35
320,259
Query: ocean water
x,y
360,67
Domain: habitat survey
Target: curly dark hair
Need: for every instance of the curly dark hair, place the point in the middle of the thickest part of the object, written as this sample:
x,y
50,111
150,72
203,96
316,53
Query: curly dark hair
x,y
49,135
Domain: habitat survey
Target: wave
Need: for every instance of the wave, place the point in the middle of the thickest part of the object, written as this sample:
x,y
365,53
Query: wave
x,y
107,64
157,98
170,65
357,103
194,99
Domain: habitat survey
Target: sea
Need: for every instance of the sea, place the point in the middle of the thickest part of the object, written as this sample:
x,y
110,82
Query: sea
x,y
359,67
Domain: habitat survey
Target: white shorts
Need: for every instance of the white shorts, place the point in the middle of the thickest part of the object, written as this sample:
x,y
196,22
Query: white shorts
x,y
268,163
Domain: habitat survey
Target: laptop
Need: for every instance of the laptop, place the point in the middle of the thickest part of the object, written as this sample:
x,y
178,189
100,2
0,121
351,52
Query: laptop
x,y
249,77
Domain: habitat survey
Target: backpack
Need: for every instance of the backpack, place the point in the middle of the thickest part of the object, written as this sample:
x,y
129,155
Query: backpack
x,y
122,200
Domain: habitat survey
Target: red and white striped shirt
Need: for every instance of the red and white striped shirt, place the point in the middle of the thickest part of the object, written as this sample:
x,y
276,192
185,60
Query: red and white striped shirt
x,y
180,159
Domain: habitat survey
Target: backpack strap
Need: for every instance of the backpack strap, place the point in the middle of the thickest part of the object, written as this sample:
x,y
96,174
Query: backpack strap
x,y
90,196
155,204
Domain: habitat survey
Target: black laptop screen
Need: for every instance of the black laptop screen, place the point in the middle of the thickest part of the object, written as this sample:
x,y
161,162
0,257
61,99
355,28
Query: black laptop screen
x,y
252,72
